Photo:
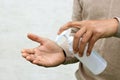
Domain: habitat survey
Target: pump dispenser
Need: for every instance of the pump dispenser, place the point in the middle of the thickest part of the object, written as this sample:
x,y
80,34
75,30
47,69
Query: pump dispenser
x,y
95,63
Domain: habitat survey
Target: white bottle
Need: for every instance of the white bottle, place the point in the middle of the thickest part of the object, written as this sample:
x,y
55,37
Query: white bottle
x,y
95,63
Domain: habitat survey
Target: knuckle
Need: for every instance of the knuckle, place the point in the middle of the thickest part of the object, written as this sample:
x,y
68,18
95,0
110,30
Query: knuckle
x,y
83,41
35,62
70,22
28,58
36,38
98,32
23,55
36,50
93,40
76,36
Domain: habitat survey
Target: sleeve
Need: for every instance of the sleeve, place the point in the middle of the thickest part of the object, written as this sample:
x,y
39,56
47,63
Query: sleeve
x,y
118,30
75,17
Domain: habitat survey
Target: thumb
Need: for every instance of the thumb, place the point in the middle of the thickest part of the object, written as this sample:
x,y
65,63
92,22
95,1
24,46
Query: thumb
x,y
72,24
35,38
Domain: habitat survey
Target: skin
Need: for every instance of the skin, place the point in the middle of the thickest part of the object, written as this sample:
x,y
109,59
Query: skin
x,y
49,54
89,32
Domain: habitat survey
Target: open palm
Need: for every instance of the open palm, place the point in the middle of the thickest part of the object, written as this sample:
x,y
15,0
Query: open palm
x,y
48,54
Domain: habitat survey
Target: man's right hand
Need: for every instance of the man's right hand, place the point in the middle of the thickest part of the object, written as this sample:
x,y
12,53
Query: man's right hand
x,y
48,54
89,32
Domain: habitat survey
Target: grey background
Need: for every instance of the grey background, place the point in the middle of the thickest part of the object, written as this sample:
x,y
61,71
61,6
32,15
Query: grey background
x,y
42,17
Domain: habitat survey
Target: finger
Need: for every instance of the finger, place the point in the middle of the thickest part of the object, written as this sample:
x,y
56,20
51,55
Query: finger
x,y
86,37
39,63
30,58
75,24
77,38
35,38
25,55
91,44
29,51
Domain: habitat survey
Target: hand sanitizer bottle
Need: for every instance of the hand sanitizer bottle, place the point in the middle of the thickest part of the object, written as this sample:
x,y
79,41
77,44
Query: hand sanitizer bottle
x,y
95,63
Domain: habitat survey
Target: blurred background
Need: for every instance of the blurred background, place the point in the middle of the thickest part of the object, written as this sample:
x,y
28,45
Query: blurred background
x,y
41,17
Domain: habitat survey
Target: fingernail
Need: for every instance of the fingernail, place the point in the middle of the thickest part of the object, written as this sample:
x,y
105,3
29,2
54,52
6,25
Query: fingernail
x,y
80,54
75,50
22,50
58,32
28,34
88,54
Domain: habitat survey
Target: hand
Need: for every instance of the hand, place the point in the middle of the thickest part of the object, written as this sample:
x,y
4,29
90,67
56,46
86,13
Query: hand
x,y
48,54
89,32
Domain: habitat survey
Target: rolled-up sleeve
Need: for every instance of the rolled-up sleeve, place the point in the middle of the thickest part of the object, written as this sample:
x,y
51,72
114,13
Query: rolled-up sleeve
x,y
118,30
69,55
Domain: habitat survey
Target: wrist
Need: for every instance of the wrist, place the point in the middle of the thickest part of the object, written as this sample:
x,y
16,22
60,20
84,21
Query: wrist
x,y
64,53
64,56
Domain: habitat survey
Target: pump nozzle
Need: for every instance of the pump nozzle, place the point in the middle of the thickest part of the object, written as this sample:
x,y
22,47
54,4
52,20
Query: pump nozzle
x,y
63,34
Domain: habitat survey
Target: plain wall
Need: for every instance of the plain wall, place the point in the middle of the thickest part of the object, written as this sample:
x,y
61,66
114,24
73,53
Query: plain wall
x,y
42,17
